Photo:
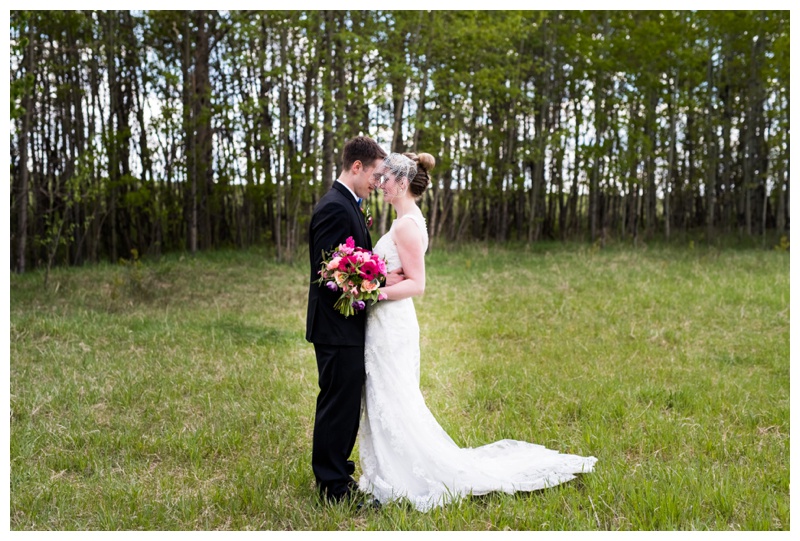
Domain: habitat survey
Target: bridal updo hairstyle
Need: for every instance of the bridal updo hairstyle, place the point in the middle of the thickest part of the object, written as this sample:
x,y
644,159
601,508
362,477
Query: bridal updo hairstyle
x,y
424,162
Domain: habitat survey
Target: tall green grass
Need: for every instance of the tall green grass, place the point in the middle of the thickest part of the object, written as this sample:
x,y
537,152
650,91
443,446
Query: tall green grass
x,y
179,394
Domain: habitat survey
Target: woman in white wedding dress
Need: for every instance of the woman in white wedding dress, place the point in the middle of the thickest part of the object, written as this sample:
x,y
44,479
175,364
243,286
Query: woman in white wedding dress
x,y
404,452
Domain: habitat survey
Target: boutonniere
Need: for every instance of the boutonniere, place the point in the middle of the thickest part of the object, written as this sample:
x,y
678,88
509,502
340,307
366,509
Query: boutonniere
x,y
367,213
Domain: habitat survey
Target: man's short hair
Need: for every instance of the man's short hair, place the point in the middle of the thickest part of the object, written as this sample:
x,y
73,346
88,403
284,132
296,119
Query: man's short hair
x,y
363,149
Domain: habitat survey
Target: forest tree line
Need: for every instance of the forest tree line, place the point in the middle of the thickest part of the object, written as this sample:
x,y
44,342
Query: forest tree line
x,y
160,131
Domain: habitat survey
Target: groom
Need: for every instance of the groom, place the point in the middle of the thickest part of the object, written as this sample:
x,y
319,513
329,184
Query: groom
x,y
339,341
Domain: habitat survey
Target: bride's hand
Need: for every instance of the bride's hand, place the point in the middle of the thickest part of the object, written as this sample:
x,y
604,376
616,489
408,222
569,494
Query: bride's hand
x,y
395,277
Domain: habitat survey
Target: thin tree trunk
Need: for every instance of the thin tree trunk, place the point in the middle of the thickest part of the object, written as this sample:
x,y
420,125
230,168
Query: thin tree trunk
x,y
672,174
398,103
327,104
22,197
113,158
650,138
750,138
201,112
189,131
711,146
594,182
574,220
782,193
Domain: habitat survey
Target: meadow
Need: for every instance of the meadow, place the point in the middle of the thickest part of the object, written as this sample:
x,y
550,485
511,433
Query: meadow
x,y
178,394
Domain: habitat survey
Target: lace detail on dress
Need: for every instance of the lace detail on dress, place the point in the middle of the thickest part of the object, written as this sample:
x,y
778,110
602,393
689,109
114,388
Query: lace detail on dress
x,y
404,451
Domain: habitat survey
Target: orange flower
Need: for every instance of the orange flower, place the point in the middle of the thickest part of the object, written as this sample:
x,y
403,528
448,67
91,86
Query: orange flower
x,y
338,277
369,286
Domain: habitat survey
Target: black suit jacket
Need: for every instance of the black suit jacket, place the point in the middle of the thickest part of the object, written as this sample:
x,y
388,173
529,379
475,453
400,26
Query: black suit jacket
x,y
336,217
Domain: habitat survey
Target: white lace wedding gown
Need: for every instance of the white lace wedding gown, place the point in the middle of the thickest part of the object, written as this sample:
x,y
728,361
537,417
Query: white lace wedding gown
x,y
404,452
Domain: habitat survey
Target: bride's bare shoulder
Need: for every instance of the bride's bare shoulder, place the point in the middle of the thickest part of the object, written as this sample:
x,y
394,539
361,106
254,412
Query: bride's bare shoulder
x,y
407,231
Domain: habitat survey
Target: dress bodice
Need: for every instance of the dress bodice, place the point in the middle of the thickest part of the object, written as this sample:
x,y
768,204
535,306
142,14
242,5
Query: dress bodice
x,y
387,248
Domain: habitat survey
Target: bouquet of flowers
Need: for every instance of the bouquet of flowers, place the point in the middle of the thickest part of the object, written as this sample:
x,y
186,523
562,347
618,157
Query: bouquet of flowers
x,y
358,273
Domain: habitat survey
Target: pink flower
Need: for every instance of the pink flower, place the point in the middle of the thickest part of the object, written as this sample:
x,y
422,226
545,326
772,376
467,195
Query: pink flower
x,y
382,296
349,246
334,263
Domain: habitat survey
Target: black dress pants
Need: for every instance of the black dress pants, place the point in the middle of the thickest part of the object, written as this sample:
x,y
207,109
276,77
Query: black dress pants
x,y
341,379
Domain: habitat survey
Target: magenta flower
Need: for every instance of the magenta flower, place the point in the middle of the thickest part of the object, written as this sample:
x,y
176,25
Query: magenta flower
x,y
369,270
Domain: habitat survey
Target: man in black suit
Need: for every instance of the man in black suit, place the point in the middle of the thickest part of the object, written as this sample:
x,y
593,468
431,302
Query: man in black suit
x,y
339,341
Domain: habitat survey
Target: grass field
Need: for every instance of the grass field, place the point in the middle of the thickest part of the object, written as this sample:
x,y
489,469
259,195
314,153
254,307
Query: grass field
x,y
179,394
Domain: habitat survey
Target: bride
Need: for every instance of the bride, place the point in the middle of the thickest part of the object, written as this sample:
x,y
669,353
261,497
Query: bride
x,y
404,452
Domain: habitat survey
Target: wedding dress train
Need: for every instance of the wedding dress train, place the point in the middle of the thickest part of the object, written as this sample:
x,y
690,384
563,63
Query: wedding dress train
x,y
404,451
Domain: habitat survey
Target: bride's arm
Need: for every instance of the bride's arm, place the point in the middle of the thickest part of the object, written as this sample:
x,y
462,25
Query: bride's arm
x,y
410,248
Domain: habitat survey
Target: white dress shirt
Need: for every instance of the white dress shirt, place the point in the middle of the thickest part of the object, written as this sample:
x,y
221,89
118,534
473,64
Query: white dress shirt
x,y
349,190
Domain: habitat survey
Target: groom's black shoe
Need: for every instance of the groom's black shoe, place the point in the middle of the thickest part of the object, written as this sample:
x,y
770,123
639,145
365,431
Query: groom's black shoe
x,y
364,500
352,494
350,467
370,503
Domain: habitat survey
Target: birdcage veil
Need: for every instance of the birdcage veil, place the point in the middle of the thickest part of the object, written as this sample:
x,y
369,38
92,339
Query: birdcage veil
x,y
400,166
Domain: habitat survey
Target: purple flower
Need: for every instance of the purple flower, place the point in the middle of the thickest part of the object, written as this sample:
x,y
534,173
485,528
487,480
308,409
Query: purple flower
x,y
331,285
359,305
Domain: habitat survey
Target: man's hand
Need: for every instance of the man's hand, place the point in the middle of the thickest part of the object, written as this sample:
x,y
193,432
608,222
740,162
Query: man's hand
x,y
395,277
